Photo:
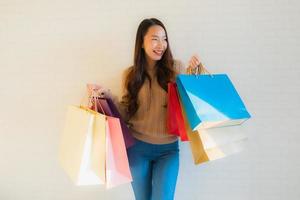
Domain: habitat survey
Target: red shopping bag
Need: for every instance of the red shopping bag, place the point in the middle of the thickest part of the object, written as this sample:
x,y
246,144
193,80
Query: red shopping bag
x,y
175,120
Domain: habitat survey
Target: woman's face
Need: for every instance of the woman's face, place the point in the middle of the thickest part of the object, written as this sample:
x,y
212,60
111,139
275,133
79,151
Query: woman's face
x,y
155,43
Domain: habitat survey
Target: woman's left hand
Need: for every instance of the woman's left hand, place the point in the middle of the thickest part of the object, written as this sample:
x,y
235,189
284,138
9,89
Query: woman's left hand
x,y
195,65
194,62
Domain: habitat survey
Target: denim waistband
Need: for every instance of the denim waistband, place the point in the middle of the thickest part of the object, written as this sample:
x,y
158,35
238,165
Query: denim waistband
x,y
149,147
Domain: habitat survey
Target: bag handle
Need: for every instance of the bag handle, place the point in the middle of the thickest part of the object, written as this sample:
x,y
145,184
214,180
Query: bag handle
x,y
198,70
95,98
92,99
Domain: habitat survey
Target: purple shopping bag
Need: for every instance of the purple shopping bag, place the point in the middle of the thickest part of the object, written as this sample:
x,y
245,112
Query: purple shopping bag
x,y
111,110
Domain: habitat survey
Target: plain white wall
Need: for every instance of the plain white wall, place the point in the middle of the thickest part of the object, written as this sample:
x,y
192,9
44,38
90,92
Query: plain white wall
x,y
50,49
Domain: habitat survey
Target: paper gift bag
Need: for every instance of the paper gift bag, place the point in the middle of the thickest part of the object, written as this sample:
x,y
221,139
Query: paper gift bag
x,y
202,154
111,110
210,101
102,103
128,138
212,144
117,165
82,147
175,122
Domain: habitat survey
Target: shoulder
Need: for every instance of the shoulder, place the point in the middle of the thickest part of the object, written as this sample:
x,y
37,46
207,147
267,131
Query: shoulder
x,y
179,67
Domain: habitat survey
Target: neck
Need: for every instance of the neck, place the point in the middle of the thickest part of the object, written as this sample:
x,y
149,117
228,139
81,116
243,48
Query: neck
x,y
151,69
150,64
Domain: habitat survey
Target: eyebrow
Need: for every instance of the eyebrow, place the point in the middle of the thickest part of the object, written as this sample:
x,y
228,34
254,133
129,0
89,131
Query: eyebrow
x,y
158,36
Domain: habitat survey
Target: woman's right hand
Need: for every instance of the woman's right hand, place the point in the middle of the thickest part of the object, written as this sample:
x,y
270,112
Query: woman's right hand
x,y
105,93
98,91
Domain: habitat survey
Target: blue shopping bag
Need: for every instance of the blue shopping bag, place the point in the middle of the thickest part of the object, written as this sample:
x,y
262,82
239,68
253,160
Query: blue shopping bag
x,y
210,101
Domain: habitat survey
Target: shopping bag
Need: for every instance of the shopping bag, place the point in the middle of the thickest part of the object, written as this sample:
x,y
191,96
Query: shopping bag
x,y
82,147
210,101
128,138
92,149
175,123
102,103
111,110
202,154
213,144
117,165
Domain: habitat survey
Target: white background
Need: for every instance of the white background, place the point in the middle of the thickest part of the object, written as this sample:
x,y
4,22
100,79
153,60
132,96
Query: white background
x,y
50,49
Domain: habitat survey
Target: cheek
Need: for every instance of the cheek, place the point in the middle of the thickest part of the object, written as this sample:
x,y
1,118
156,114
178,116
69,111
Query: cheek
x,y
148,45
153,44
148,50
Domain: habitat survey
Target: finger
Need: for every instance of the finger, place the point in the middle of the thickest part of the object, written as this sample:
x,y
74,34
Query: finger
x,y
194,64
196,57
197,61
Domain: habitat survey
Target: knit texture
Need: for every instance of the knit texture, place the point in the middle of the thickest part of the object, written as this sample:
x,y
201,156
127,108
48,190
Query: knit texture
x,y
149,123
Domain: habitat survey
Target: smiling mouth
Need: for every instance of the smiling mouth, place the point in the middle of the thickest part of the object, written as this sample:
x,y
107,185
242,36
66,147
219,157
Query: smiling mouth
x,y
158,52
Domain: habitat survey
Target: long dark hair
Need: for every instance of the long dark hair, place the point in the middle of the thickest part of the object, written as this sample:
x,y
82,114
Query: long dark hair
x,y
138,73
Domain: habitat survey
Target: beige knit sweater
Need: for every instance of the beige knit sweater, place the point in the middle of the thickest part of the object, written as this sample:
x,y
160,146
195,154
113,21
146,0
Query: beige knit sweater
x,y
149,123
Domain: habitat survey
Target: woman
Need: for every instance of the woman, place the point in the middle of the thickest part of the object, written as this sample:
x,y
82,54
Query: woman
x,y
154,159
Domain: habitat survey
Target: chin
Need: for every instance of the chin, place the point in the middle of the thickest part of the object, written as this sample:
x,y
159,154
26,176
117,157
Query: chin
x,y
156,58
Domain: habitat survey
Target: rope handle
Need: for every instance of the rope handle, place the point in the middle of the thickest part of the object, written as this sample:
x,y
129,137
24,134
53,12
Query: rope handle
x,y
92,99
197,70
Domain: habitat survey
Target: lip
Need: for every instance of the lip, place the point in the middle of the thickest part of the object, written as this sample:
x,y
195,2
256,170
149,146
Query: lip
x,y
158,52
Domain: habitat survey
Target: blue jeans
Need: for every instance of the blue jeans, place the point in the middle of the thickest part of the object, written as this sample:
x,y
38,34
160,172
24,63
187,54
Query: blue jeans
x,y
154,169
